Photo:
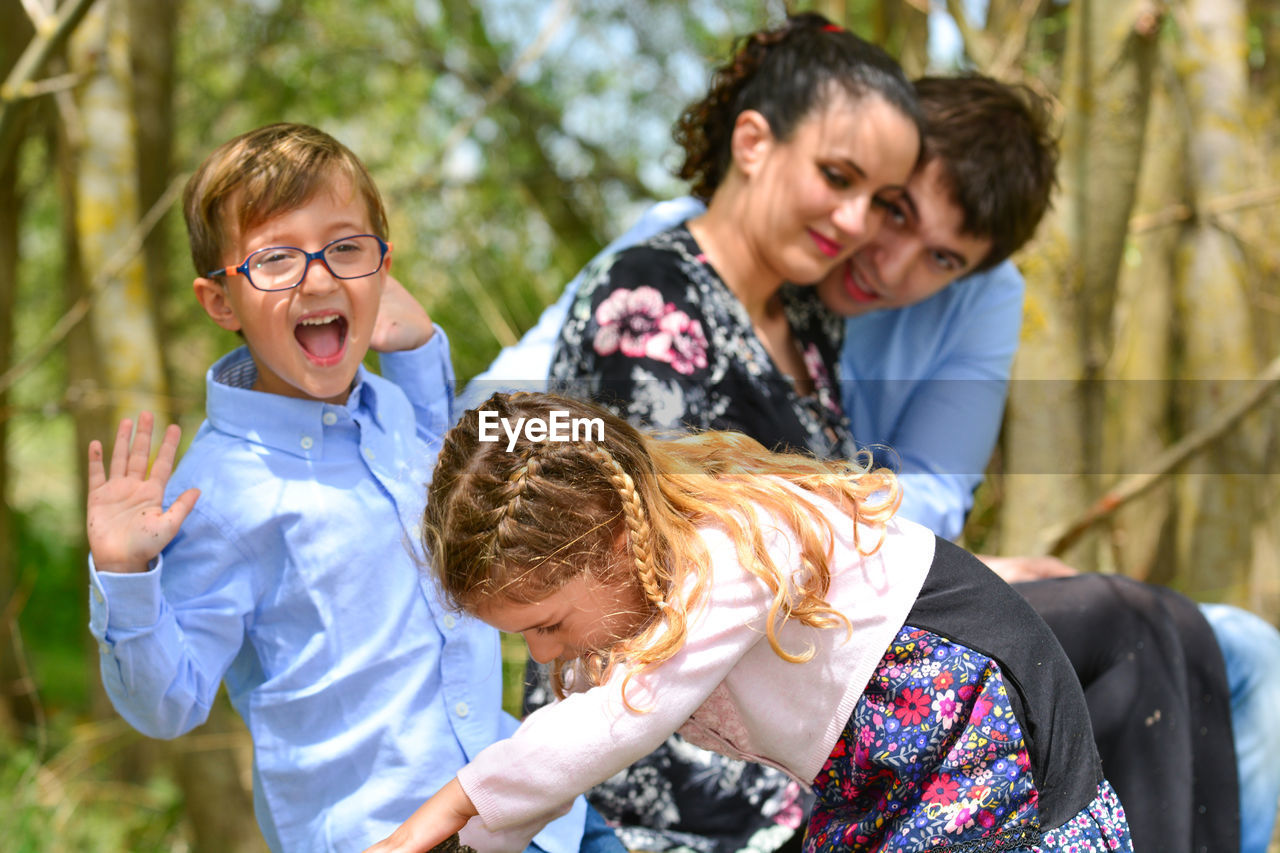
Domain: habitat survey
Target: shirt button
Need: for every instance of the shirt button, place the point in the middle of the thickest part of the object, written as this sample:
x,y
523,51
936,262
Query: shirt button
x,y
461,709
368,453
307,442
449,621
104,649
329,419
97,595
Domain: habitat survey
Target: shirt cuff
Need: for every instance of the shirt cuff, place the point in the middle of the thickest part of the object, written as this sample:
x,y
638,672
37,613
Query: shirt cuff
x,y
122,602
424,374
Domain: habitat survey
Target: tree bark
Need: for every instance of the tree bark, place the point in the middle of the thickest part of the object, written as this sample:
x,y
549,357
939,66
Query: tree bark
x,y
15,705
152,30
1218,495
1139,391
1056,404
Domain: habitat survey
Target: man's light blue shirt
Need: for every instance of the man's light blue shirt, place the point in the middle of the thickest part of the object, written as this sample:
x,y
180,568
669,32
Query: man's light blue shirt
x,y
298,580
924,385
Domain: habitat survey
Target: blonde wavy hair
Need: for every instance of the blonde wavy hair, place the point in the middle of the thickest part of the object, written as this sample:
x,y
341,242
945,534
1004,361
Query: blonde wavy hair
x,y
518,524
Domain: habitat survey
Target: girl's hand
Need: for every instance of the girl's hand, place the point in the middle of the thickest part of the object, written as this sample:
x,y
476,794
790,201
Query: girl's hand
x,y
127,523
434,821
402,323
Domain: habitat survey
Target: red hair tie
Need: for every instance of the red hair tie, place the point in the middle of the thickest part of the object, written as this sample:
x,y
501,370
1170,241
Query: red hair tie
x,y
832,28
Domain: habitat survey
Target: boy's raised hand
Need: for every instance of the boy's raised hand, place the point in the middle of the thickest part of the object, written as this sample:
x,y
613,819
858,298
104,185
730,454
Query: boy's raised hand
x,y
127,523
402,322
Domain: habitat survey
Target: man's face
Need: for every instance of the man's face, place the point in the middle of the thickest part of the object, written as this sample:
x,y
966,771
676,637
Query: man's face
x,y
918,251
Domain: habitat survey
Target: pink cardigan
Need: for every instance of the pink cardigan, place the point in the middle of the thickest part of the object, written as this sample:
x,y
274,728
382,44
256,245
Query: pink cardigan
x,y
726,690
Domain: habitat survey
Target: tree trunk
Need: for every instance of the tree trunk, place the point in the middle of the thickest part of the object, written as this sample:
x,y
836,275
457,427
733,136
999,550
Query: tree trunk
x,y
1055,423
152,29
1218,494
114,164
15,705
123,334
1139,392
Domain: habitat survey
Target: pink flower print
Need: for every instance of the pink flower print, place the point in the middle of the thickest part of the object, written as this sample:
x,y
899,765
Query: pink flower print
x,y
947,708
913,707
814,367
981,707
627,319
639,324
686,345
960,817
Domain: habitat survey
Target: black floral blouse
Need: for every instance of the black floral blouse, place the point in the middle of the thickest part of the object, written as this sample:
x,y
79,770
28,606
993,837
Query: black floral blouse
x,y
657,336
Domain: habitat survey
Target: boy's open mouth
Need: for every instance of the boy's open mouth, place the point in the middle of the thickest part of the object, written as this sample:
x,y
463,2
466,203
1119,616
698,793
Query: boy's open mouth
x,y
322,337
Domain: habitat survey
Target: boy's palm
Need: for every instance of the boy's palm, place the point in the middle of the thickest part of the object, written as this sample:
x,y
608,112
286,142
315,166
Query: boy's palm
x,y
127,523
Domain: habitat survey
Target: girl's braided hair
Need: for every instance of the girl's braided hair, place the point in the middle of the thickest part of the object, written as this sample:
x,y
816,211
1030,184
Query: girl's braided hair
x,y
784,74
518,524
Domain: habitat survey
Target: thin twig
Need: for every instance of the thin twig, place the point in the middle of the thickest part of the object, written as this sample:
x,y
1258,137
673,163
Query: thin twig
x,y
1062,537
49,37
48,86
1178,213
501,86
109,271
38,11
12,610
1015,44
976,42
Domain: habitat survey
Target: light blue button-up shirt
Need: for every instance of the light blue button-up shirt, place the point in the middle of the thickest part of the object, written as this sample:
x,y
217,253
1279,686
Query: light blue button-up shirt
x,y
298,581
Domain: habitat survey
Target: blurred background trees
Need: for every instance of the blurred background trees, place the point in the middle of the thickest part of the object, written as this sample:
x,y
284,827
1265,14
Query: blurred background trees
x,y
513,138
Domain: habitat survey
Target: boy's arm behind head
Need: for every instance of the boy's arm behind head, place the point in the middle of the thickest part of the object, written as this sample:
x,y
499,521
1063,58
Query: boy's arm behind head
x,y
402,323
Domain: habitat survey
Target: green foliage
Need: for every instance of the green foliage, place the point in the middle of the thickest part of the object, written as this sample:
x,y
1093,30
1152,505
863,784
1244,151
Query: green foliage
x,y
68,802
52,578
497,195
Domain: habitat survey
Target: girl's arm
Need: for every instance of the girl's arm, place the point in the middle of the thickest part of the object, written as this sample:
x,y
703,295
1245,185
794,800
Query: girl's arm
x,y
434,821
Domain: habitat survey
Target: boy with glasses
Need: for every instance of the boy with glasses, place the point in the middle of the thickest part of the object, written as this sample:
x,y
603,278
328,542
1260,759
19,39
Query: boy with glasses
x,y
287,561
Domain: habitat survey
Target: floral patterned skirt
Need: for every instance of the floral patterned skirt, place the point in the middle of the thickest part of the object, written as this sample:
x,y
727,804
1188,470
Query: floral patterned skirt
x,y
933,757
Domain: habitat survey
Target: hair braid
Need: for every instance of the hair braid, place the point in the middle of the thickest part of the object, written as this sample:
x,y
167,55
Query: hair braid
x,y
518,483
640,535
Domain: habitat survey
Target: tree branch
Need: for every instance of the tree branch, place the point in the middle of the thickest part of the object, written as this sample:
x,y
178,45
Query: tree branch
x,y
1015,44
1213,207
112,268
1061,537
976,42
50,36
493,93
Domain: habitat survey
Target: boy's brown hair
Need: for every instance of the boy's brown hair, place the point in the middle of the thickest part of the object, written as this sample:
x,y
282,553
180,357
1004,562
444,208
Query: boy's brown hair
x,y
998,152
268,171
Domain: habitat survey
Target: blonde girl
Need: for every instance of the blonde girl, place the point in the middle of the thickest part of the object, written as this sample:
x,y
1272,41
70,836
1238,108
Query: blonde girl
x,y
767,606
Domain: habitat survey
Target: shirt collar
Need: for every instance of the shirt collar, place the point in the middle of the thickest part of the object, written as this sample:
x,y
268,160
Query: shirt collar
x,y
289,424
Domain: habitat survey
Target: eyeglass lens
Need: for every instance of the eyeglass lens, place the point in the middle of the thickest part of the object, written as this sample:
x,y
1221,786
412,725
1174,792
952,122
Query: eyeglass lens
x,y
283,267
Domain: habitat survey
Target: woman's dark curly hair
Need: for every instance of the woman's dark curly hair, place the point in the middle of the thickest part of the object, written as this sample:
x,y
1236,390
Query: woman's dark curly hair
x,y
784,74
